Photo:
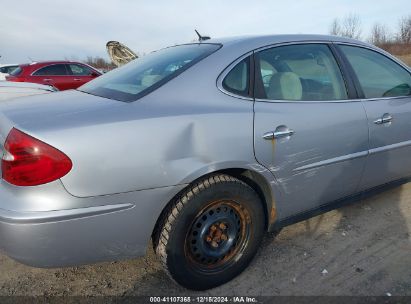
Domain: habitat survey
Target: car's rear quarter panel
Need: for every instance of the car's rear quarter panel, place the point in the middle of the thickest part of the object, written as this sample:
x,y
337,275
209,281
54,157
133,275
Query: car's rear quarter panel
x,y
5,126
153,146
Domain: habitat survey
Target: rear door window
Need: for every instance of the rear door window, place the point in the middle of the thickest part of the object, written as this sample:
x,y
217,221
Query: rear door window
x,y
145,74
301,72
52,70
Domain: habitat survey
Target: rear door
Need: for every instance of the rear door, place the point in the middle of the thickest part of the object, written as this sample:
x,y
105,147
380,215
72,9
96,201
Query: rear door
x,y
386,88
53,74
81,74
310,131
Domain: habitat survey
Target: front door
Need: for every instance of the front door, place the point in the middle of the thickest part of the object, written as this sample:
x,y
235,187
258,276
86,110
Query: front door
x,y
307,133
81,74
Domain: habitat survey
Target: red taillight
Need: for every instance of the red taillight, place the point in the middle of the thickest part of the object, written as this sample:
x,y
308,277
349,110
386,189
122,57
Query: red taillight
x,y
29,162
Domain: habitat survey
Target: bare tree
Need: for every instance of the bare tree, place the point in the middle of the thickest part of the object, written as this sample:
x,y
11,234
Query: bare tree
x,y
349,27
99,63
379,35
404,33
352,26
335,28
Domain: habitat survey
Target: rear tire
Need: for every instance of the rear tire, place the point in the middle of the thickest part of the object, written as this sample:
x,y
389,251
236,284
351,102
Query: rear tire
x,y
210,233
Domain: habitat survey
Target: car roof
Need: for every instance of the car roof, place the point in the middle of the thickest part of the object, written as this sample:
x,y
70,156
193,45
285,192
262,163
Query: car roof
x,y
53,62
242,44
261,41
40,64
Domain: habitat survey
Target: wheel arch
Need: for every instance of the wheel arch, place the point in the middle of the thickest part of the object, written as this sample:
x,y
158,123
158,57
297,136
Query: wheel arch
x,y
257,181
263,188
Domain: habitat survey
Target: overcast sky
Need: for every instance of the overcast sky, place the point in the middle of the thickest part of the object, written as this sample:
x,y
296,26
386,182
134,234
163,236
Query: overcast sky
x,y
75,29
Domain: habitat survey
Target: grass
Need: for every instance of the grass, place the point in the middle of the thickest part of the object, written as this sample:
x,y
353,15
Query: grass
x,y
405,58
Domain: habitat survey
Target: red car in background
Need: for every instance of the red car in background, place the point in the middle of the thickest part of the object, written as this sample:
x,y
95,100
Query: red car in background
x,y
63,75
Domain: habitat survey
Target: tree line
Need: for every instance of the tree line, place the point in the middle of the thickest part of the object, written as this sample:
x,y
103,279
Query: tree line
x,y
380,35
100,63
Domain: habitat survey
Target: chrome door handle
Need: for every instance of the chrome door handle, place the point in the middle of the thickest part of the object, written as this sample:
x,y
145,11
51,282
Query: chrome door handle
x,y
278,134
77,79
384,119
268,135
47,79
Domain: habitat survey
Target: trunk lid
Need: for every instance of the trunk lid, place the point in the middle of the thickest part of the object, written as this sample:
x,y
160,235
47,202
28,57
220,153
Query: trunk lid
x,y
41,109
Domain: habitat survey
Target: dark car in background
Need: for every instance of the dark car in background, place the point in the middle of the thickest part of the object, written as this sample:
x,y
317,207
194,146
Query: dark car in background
x,y
63,75
6,69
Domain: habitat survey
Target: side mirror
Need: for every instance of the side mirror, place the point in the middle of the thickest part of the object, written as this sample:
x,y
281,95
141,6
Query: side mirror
x,y
94,74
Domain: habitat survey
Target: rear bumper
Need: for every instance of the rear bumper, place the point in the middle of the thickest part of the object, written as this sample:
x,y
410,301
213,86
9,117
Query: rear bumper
x,y
104,228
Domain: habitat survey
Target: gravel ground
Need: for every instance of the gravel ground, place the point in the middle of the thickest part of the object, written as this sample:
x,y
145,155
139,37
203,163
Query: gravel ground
x,y
362,249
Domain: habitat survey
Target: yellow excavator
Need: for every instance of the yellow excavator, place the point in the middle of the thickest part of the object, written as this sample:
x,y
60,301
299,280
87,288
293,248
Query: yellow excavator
x,y
119,53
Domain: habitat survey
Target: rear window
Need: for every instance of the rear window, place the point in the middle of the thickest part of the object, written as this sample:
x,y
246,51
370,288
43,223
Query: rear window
x,y
17,71
143,75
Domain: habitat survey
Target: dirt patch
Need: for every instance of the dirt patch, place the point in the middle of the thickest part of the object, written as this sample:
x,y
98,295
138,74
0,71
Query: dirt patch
x,y
362,249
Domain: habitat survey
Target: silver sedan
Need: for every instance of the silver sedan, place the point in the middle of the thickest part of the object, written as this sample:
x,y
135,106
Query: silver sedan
x,y
201,147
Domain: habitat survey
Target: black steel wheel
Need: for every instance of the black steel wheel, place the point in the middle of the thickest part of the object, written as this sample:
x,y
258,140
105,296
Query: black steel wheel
x,y
210,233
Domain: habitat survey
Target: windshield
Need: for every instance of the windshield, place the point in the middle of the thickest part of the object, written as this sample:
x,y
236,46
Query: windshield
x,y
145,74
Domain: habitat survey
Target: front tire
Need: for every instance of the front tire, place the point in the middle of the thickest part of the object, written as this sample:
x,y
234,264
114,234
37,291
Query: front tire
x,y
210,233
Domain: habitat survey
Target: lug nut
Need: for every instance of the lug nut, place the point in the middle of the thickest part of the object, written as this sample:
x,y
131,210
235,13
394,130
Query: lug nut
x,y
222,226
224,237
209,239
212,228
214,244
